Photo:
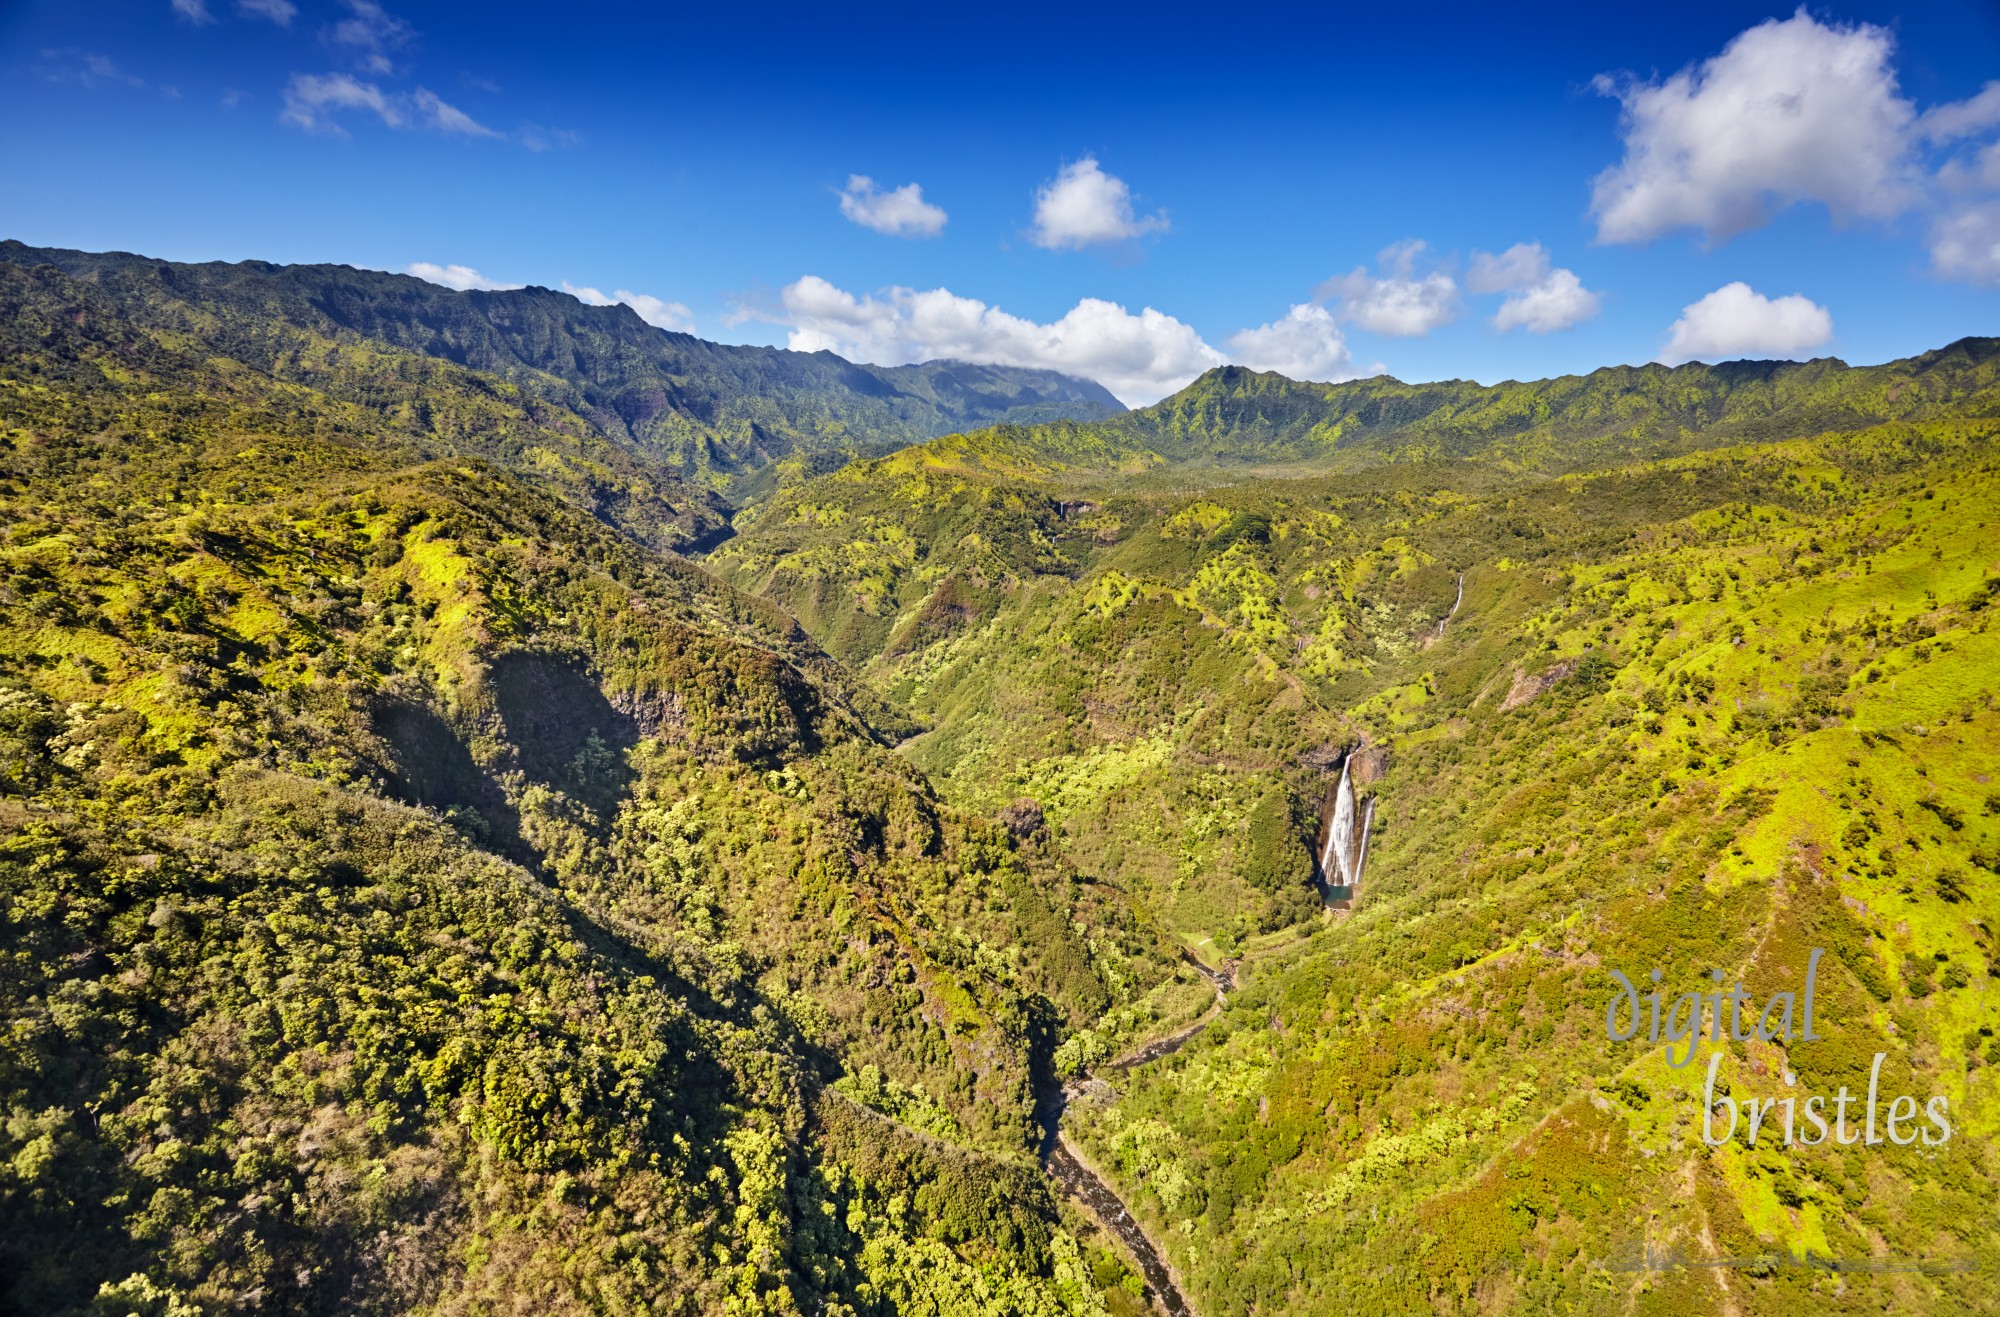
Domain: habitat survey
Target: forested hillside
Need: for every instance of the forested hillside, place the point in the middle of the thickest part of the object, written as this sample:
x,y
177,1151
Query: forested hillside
x,y
717,414
1235,418
1701,710
416,894
439,872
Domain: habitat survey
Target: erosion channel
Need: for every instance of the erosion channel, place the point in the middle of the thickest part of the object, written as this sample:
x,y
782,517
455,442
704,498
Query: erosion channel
x,y
1067,1166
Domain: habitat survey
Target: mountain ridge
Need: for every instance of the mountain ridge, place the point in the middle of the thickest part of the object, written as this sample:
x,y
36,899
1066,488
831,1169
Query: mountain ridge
x,y
1232,415
717,413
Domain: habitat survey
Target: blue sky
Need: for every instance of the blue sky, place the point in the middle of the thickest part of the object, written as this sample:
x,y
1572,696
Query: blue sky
x,y
1131,195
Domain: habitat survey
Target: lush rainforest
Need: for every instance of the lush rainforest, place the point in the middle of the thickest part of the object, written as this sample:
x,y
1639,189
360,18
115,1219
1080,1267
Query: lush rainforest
x,y
503,808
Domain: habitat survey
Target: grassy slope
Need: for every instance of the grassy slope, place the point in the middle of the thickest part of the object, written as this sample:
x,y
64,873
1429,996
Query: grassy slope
x,y
1717,781
416,895
1804,759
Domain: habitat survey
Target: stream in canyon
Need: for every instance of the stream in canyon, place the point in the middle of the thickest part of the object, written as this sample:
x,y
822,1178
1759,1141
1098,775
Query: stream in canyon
x,y
1068,1168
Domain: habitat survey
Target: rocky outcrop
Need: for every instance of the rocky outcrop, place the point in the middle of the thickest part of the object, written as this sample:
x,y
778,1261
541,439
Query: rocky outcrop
x,y
1526,688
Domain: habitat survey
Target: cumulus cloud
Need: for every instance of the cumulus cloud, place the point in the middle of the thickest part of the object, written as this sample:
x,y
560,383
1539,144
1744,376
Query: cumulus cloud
x,y
1140,358
194,11
900,212
1557,301
1965,244
1305,344
1395,301
281,12
1737,321
314,101
1792,110
1523,265
461,277
1543,299
654,311
1085,206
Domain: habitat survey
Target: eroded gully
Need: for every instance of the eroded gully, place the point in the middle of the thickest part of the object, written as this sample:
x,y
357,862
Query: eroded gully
x,y
1071,1170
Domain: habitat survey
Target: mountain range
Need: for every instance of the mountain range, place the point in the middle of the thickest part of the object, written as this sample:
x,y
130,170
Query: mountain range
x,y
503,807
717,414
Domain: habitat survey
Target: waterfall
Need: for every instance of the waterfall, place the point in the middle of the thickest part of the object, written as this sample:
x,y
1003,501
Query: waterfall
x,y
1446,619
1345,852
1339,832
1347,833
1361,860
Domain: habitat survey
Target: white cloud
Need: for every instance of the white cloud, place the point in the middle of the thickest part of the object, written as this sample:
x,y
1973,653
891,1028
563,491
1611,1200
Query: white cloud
x,y
652,310
1543,299
312,99
900,212
1976,114
194,11
1140,358
448,118
1305,344
1396,301
658,313
1521,266
312,102
1557,301
281,12
369,32
1737,321
1085,205
1792,110
461,277
1965,244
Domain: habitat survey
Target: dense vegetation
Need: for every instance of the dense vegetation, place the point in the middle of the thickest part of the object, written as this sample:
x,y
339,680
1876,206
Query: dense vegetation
x,y
420,889
417,894
716,414
1701,710
1235,418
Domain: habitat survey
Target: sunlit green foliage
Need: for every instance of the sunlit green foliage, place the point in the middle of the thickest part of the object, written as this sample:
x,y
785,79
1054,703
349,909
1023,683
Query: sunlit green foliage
x,y
417,895
1709,707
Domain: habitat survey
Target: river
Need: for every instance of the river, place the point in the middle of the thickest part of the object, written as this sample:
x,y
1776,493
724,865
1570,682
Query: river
x,y
1067,1166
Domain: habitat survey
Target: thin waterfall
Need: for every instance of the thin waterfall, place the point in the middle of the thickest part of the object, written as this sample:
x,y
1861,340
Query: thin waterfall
x,y
1361,860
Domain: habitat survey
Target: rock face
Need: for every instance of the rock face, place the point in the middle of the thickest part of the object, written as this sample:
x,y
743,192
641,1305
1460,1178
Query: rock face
x,y
1343,842
1526,688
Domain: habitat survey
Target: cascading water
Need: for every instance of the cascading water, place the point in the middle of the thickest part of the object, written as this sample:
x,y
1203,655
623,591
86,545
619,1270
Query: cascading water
x,y
1344,852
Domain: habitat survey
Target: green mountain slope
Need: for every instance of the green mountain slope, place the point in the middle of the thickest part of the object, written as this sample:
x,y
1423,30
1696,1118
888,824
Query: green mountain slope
x,y
883,553
98,367
417,895
715,413
1709,710
1716,729
1233,417
422,890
